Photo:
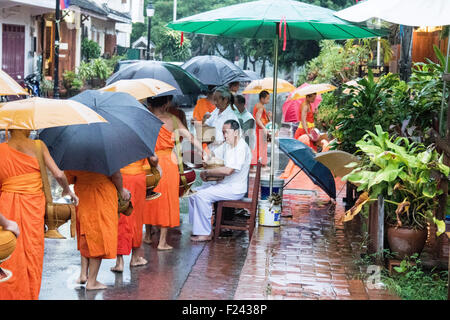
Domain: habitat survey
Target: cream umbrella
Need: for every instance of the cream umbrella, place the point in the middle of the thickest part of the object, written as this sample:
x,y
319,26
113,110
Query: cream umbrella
x,y
256,86
140,88
313,88
8,86
40,113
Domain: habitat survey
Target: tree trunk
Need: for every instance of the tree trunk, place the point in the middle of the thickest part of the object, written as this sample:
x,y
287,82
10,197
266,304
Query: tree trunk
x,y
245,61
263,68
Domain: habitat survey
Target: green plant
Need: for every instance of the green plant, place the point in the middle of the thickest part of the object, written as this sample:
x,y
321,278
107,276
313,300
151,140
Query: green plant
x,y
406,174
100,68
90,49
412,282
326,112
85,71
373,103
72,81
46,86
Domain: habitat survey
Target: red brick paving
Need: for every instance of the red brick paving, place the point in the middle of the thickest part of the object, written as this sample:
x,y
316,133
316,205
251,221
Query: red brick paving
x,y
311,256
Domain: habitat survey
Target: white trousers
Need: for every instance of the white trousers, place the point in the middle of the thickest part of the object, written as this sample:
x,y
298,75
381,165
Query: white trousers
x,y
200,205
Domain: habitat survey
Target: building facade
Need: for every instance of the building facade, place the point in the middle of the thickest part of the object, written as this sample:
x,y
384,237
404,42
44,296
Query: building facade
x,y
27,31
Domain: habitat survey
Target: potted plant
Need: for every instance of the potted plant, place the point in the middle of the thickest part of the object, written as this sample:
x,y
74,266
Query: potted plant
x,y
72,83
406,174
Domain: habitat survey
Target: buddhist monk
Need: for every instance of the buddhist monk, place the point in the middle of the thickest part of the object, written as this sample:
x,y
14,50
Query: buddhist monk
x,y
130,227
261,117
165,210
204,105
97,221
22,200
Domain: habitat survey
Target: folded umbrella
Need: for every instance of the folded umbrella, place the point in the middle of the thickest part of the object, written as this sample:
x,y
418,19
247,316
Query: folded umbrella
x,y
129,135
215,70
303,156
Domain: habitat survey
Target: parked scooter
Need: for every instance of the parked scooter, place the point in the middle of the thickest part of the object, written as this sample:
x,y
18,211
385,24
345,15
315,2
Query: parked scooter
x,y
32,84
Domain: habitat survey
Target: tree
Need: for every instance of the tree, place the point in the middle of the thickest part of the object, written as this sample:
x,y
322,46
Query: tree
x,y
168,45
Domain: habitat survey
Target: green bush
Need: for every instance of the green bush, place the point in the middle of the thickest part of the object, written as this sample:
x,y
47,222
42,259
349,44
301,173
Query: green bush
x,y
90,49
100,68
412,282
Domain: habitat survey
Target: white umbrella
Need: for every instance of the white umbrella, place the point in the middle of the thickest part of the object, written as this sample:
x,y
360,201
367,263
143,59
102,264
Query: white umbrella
x,y
414,13
430,13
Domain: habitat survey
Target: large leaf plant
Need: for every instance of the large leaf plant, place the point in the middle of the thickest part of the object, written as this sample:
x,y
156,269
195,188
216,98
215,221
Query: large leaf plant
x,y
405,173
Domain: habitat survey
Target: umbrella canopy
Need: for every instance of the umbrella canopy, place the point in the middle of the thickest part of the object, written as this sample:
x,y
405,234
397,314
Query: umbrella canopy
x,y
312,88
291,107
183,81
413,13
336,160
39,113
214,70
129,135
263,20
257,20
304,157
256,86
8,86
252,75
140,88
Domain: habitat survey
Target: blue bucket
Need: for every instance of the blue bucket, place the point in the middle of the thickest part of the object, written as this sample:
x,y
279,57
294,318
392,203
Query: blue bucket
x,y
277,187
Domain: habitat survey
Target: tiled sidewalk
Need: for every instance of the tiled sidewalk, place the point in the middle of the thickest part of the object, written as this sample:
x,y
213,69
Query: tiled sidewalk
x,y
311,256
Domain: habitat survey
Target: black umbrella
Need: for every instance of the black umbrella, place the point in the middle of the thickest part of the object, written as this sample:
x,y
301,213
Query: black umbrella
x,y
183,81
129,135
214,70
303,156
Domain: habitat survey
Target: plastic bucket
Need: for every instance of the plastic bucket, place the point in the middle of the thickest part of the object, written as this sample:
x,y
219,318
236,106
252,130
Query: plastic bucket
x,y
269,217
277,187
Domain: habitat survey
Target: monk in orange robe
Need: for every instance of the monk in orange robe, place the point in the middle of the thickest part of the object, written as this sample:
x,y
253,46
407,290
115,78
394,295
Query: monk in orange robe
x,y
22,200
165,210
130,227
262,119
203,106
97,221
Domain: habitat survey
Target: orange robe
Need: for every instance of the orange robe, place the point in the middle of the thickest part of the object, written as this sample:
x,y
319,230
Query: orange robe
x,y
201,108
22,200
165,210
261,141
130,227
309,122
97,217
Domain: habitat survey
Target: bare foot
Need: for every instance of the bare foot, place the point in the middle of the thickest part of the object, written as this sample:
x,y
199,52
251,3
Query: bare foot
x,y
165,247
201,238
117,268
140,261
147,240
96,286
82,280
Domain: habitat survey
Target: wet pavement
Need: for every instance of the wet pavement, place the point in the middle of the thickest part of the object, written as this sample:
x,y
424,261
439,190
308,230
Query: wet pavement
x,y
310,256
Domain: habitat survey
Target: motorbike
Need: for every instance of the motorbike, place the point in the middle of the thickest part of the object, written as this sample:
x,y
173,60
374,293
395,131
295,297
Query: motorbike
x,y
32,84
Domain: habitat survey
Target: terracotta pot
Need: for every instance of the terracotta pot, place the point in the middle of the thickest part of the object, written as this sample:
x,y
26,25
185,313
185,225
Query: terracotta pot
x,y
405,242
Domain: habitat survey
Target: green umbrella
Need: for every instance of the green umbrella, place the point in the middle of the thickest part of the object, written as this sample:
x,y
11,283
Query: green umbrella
x,y
265,19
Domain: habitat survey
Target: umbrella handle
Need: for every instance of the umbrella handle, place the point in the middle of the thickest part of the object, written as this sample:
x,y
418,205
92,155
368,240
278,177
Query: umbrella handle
x,y
292,178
